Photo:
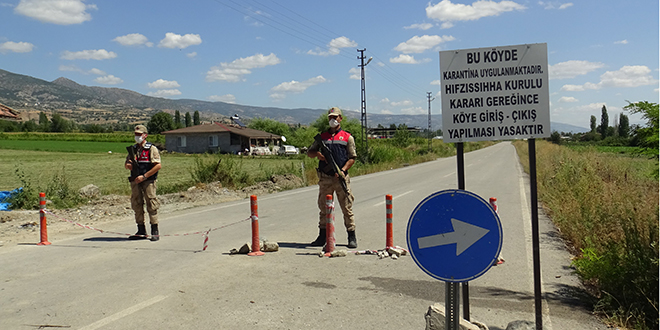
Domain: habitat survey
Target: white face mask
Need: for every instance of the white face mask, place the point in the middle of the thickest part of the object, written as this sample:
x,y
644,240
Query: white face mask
x,y
139,139
333,123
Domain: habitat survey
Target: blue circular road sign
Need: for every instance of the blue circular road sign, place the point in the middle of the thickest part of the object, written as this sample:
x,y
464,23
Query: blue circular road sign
x,y
454,235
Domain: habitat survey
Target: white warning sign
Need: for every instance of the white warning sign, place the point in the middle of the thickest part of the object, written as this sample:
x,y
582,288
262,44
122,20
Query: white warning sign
x,y
498,93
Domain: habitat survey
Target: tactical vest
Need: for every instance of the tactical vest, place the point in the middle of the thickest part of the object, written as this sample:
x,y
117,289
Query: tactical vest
x,y
338,145
144,161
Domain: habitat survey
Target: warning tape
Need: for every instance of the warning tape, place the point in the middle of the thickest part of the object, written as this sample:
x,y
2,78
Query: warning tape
x,y
205,232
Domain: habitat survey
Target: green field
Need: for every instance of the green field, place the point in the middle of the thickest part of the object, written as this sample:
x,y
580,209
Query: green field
x,y
65,146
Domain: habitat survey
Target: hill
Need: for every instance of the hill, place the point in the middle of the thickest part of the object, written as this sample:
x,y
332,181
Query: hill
x,y
91,104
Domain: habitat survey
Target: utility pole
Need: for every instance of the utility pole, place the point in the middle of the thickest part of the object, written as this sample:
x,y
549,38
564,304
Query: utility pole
x,y
363,106
428,96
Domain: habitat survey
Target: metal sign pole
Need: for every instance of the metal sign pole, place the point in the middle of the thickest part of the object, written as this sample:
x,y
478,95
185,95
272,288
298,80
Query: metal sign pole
x,y
531,143
451,306
460,170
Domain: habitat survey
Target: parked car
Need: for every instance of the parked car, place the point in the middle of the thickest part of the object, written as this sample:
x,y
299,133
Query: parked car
x,y
288,150
260,151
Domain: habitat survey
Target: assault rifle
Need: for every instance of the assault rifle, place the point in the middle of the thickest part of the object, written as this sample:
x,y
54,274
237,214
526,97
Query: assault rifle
x,y
325,151
132,156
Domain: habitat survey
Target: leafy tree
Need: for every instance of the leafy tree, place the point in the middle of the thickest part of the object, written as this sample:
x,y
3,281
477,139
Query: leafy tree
x,y
593,124
196,118
177,119
555,137
402,136
29,126
59,124
647,136
270,126
188,120
9,126
302,137
160,122
44,123
624,126
604,122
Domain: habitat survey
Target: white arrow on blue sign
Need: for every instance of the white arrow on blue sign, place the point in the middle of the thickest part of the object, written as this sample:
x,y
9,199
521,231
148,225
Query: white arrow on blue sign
x,y
454,235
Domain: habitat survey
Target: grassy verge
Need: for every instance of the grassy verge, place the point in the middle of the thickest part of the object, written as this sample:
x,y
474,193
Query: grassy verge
x,y
606,207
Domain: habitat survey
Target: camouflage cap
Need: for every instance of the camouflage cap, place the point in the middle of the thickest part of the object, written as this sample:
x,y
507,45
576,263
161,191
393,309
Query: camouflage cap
x,y
334,111
140,129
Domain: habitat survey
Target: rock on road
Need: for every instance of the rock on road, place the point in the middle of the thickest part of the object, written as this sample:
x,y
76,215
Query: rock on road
x,y
103,281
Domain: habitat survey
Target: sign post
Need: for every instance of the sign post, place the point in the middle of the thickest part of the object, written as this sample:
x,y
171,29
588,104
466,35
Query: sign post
x,y
498,93
454,236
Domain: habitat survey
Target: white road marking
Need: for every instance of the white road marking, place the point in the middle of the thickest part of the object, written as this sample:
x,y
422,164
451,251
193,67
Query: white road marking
x,y
450,174
397,196
527,224
124,313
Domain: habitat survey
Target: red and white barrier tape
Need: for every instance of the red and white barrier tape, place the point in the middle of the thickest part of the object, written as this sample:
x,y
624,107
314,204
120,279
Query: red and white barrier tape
x,y
206,233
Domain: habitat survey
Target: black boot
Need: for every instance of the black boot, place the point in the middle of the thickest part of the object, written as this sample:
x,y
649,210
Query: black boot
x,y
352,241
141,233
154,233
320,241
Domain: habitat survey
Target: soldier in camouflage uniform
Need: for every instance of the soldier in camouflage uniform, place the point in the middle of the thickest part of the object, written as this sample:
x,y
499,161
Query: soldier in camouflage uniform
x,y
342,146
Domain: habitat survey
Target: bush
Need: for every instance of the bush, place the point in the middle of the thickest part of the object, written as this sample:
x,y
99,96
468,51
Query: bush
x,y
224,169
60,192
24,198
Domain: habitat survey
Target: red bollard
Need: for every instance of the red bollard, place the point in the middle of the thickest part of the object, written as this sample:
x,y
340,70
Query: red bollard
x,y
493,203
389,239
329,226
42,220
256,248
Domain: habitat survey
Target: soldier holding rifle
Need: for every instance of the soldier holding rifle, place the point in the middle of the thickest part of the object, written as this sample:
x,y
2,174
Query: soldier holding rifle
x,y
143,161
335,149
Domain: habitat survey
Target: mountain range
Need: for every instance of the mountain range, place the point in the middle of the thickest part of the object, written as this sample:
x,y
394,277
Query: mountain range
x,y
65,96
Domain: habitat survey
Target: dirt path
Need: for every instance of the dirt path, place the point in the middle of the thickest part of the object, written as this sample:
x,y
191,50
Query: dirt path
x,y
22,226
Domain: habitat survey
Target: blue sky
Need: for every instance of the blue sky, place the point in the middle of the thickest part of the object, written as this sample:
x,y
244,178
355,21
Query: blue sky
x,y
295,54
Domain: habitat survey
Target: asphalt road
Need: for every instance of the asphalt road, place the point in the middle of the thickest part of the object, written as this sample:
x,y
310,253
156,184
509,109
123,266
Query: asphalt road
x,y
103,281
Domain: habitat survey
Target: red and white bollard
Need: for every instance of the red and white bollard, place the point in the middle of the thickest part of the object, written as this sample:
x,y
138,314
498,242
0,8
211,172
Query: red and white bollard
x,y
43,226
389,239
493,203
256,248
329,226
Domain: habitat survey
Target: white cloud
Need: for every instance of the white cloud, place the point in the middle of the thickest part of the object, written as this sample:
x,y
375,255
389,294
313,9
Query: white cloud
x,y
572,69
408,59
62,12
227,98
404,103
91,54
192,55
414,111
279,91
419,44
385,100
355,74
165,93
435,82
334,47
448,12
16,47
386,112
234,71
173,40
133,39
421,26
163,84
108,80
567,99
74,68
621,42
627,76
97,72
555,5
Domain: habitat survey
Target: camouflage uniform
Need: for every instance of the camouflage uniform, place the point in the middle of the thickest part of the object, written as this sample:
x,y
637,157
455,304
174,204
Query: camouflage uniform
x,y
329,184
